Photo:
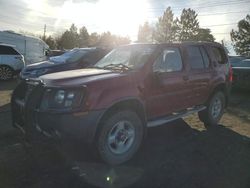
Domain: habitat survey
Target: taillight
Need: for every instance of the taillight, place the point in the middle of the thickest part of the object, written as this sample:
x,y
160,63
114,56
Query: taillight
x,y
230,73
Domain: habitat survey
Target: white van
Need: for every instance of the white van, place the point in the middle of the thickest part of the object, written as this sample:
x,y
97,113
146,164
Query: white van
x,y
11,62
33,49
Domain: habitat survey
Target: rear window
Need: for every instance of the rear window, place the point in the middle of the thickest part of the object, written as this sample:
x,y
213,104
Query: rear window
x,y
7,50
219,55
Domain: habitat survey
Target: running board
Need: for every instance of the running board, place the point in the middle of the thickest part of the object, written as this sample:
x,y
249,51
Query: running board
x,y
175,116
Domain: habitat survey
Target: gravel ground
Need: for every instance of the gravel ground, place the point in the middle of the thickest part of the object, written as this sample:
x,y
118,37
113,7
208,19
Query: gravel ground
x,y
181,154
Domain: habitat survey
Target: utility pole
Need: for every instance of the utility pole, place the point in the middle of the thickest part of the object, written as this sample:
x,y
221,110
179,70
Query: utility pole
x,y
44,32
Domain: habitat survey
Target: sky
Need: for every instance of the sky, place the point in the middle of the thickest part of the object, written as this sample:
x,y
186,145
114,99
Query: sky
x,y
121,17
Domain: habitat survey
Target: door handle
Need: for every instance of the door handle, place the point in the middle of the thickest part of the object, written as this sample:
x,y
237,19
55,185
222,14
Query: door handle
x,y
185,78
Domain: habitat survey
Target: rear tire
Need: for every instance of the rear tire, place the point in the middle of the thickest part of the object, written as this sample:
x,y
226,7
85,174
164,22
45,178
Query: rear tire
x,y
119,137
6,72
214,111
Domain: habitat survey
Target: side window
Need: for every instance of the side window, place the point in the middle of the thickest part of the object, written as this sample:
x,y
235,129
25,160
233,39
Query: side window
x,y
169,61
195,57
6,50
205,57
219,55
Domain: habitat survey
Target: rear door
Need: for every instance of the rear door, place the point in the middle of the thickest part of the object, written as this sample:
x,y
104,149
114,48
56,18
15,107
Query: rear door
x,y
168,91
199,74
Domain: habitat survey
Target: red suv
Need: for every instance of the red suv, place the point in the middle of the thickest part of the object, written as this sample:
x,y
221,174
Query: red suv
x,y
133,87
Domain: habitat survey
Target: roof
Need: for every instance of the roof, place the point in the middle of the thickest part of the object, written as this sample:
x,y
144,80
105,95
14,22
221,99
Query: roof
x,y
9,45
179,43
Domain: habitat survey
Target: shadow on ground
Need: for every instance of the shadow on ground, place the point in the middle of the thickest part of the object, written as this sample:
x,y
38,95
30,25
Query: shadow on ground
x,y
174,155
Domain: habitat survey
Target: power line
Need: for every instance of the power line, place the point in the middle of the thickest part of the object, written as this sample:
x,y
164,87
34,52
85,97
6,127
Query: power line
x,y
221,13
218,25
226,3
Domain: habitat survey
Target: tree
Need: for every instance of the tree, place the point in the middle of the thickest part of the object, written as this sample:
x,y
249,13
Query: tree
x,y
188,25
204,35
50,41
109,40
166,27
93,39
70,38
83,37
119,40
145,33
241,38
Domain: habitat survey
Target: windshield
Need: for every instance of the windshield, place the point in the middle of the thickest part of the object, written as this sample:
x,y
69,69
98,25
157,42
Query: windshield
x,y
70,56
133,56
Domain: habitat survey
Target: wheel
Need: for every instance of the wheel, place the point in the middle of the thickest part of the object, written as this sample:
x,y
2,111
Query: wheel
x,y
214,111
119,137
6,73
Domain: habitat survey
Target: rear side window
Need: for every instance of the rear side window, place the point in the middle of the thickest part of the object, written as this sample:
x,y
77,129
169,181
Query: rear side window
x,y
195,57
169,61
205,57
7,50
219,55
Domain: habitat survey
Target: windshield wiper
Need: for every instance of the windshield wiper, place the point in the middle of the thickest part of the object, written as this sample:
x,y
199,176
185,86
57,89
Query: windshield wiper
x,y
119,66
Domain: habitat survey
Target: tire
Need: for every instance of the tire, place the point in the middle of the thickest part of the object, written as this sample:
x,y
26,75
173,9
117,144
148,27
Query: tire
x,y
214,111
119,137
6,73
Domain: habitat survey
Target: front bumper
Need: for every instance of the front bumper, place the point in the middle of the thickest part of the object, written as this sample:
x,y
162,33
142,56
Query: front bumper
x,y
74,125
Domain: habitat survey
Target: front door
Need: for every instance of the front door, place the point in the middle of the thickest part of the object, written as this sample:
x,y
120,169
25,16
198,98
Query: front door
x,y
167,93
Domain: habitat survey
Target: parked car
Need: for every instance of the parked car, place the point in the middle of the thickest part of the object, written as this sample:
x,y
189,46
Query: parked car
x,y
32,48
241,72
132,88
76,58
11,61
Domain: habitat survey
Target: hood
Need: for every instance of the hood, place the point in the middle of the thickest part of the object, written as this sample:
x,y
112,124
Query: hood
x,y
40,65
58,59
77,77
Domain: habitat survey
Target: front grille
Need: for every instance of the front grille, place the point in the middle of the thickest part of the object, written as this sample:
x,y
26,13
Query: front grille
x,y
25,99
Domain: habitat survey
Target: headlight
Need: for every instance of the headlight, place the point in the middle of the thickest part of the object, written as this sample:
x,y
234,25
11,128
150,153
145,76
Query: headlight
x,y
62,99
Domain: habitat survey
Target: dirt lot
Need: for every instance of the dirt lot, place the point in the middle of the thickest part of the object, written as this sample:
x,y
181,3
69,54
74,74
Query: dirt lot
x,y
180,154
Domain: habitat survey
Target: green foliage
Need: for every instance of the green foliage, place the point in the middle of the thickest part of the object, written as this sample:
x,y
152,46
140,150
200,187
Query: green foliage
x,y
93,39
109,40
145,33
166,27
185,28
72,38
204,35
241,37
188,25
83,37
50,41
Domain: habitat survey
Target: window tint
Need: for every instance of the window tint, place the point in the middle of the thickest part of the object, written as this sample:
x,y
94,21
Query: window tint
x,y
169,61
219,55
195,57
205,57
6,50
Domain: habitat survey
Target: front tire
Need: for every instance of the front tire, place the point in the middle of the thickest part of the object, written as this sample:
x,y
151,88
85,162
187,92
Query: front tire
x,y
120,137
214,111
6,73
